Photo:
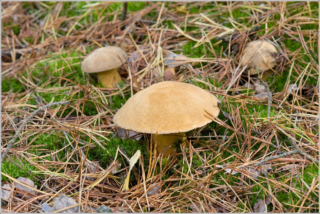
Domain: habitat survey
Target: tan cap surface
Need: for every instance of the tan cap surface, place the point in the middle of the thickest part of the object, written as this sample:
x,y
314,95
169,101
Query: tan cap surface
x,y
259,53
104,59
167,107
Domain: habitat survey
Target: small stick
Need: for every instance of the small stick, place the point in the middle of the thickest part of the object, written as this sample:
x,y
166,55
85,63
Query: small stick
x,y
183,69
276,157
16,135
295,146
296,150
124,11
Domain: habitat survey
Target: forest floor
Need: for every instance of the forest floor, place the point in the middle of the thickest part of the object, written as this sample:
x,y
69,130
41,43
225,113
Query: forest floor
x,y
76,150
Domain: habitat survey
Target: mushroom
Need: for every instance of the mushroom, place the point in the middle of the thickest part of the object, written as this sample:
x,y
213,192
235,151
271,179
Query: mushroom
x,y
167,110
259,54
105,62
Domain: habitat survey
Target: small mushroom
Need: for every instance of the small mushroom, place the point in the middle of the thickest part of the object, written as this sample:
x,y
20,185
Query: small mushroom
x,y
261,55
105,62
167,110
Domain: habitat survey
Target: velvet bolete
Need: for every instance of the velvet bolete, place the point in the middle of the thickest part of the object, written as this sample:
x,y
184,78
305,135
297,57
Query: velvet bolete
x,y
105,62
167,110
259,55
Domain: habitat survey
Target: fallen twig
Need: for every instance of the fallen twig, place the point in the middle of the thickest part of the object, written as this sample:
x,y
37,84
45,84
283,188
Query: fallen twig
x,y
124,11
10,144
296,150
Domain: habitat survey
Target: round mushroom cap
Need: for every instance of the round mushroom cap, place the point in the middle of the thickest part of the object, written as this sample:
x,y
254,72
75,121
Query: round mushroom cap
x,y
167,107
260,54
104,59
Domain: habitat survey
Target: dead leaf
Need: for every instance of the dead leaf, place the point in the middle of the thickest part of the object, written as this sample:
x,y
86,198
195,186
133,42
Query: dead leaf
x,y
174,60
229,171
260,206
292,88
169,73
126,134
116,168
294,168
260,89
133,161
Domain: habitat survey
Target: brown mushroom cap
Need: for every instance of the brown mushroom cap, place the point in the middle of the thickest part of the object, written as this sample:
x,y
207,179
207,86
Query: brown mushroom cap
x,y
167,107
104,59
261,54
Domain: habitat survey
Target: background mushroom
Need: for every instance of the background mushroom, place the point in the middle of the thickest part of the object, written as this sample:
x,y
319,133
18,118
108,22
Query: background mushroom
x,y
168,109
259,54
105,62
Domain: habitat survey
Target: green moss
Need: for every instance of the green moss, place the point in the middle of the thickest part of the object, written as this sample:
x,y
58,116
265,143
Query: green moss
x,y
14,171
64,65
307,176
11,85
109,153
189,50
136,6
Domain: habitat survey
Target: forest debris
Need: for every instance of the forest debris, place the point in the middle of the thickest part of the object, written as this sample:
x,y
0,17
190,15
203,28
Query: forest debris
x,y
199,208
174,60
238,39
254,173
260,89
115,169
26,181
154,189
133,161
294,168
292,88
232,171
134,56
63,201
266,168
12,13
126,134
169,73
260,206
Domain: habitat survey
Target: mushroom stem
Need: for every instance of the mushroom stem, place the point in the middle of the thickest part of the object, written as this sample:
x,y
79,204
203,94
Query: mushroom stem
x,y
108,78
166,141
